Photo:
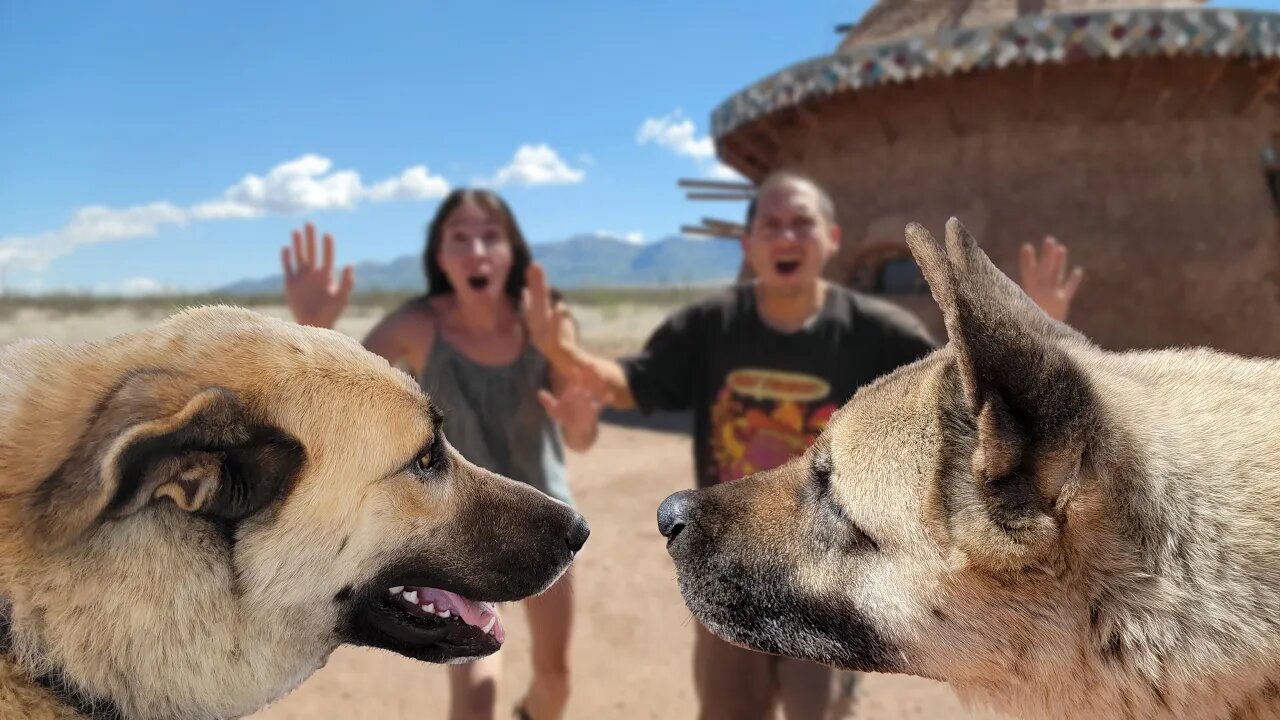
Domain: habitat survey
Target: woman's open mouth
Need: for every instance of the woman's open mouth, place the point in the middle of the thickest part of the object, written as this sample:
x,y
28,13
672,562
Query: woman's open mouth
x,y
478,282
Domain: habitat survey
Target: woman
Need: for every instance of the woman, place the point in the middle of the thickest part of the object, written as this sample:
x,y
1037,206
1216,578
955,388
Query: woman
x,y
469,346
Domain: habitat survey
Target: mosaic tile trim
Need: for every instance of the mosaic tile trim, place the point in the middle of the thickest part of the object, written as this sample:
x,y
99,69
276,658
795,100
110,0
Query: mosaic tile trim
x,y
1028,40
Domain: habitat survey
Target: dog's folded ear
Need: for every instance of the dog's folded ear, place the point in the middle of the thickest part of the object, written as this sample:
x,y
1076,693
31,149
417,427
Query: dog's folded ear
x,y
1030,403
160,437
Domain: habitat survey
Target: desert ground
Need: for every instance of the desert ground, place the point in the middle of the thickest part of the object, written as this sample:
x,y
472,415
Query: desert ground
x,y
632,634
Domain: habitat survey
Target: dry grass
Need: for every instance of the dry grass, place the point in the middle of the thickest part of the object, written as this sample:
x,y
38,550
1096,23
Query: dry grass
x,y
65,304
612,321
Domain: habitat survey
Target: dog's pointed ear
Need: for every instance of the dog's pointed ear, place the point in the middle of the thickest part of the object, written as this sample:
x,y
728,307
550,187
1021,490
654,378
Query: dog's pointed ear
x,y
982,308
158,437
1030,404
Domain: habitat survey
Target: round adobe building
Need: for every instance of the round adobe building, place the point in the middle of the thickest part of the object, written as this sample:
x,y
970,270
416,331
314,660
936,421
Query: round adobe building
x,y
1133,134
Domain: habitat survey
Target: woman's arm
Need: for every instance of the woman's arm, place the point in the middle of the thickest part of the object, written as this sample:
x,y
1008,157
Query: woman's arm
x,y
573,405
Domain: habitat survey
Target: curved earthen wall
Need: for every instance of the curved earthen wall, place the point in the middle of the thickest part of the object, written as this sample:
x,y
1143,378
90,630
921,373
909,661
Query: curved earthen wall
x,y
1149,169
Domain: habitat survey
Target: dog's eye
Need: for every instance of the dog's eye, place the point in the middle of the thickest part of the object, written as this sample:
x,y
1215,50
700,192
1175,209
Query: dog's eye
x,y
432,458
425,461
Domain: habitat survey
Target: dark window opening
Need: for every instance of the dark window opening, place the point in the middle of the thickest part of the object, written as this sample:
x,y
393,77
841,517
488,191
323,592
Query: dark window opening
x,y
900,276
1271,170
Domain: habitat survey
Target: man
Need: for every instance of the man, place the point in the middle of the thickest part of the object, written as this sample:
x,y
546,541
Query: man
x,y
763,366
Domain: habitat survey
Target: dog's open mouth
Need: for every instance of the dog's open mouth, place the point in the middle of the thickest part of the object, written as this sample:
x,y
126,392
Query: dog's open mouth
x,y
432,605
786,267
478,282
424,623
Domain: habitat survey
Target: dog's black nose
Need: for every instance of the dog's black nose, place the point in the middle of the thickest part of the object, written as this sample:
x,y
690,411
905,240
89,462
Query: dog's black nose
x,y
577,535
673,513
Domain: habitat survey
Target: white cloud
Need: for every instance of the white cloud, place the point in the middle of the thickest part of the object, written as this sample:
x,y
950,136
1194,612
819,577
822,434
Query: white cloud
x,y
677,133
304,184
11,254
99,221
416,183
635,238
295,186
720,171
537,165
225,210
88,225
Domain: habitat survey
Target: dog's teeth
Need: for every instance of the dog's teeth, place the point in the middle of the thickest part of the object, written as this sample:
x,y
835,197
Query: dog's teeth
x,y
396,590
411,596
444,614
429,608
488,627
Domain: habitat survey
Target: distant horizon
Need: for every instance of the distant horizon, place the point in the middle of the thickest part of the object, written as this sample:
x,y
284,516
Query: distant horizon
x,y
257,298
147,290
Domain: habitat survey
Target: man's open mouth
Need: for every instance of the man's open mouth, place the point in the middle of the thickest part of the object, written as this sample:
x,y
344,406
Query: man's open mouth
x,y
478,282
786,267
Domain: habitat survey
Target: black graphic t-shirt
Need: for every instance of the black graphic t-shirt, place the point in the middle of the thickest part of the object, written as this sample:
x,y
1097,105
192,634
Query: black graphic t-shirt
x,y
760,397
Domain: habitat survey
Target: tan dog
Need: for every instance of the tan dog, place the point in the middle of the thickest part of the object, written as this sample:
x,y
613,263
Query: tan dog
x,y
193,517
1056,530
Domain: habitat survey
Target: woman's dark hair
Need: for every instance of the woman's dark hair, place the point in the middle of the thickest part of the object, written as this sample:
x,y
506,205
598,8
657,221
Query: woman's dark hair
x,y
437,282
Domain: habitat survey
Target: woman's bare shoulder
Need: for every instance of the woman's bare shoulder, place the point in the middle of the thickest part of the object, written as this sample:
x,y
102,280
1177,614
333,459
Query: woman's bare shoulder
x,y
405,333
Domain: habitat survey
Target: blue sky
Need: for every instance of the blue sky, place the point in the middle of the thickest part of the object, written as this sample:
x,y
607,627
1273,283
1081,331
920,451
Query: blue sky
x,y
155,113
154,144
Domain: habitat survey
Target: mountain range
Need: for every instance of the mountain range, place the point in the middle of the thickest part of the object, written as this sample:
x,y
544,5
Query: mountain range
x,y
587,260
